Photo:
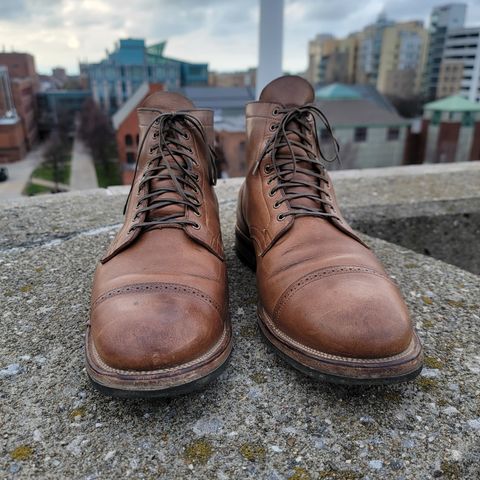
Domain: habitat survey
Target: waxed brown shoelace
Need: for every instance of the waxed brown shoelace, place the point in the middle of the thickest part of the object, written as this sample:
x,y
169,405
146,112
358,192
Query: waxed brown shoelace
x,y
299,122
173,162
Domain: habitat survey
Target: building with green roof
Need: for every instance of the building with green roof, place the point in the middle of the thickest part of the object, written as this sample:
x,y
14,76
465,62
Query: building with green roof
x,y
451,130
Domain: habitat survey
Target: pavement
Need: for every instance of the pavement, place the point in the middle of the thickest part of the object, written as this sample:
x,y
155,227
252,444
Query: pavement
x,y
50,184
19,173
83,175
260,419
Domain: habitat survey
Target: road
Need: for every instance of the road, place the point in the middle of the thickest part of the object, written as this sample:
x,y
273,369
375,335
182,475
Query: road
x,y
19,173
83,176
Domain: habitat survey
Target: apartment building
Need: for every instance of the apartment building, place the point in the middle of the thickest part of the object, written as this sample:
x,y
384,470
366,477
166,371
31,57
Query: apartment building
x,y
460,68
402,59
443,19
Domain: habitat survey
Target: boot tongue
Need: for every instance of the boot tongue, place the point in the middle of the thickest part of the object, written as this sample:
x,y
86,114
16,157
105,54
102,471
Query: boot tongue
x,y
167,102
294,91
290,91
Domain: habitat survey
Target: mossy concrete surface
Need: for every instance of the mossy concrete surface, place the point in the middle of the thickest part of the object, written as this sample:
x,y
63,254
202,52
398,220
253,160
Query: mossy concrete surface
x,y
260,419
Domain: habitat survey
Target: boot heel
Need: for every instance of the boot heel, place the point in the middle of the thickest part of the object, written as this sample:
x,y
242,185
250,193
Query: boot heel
x,y
245,250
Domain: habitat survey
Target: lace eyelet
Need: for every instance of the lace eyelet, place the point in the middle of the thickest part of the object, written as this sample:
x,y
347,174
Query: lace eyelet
x,y
271,193
276,205
197,214
280,217
276,111
267,169
186,136
273,127
196,226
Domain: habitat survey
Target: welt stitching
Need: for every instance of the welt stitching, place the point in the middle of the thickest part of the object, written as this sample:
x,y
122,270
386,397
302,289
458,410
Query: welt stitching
x,y
317,275
318,353
160,370
157,287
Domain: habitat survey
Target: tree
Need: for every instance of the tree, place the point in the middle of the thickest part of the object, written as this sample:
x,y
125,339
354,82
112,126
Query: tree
x,y
97,132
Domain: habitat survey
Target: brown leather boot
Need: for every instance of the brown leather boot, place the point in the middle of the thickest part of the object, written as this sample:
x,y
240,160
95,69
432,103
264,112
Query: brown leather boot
x,y
326,304
159,314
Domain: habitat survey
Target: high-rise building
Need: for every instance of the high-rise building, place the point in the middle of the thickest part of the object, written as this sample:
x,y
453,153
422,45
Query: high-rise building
x,y
370,50
460,68
402,59
442,20
318,49
114,80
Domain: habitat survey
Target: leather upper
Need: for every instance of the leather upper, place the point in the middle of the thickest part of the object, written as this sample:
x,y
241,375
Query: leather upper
x,y
159,297
321,286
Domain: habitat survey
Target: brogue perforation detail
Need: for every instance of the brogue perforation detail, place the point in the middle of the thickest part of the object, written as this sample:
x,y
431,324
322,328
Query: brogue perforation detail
x,y
155,288
322,273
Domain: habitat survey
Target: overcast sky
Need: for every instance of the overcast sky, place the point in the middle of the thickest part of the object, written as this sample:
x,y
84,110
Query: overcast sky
x,y
220,32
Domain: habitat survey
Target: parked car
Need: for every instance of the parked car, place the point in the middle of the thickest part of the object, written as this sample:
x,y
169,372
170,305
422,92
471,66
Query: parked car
x,y
3,174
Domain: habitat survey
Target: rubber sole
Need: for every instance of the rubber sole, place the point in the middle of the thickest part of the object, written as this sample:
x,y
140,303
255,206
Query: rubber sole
x,y
156,384
328,368
190,387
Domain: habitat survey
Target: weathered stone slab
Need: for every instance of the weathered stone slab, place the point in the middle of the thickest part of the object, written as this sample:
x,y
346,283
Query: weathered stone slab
x,y
261,419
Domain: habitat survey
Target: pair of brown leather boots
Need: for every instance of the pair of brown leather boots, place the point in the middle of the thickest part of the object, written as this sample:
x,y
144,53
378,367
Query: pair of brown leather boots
x,y
159,321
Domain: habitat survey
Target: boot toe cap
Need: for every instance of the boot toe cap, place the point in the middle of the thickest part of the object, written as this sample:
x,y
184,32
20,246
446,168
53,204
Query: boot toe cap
x,y
155,330
357,315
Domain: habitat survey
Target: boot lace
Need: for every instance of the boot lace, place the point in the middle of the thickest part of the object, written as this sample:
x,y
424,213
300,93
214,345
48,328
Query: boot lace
x,y
173,165
291,151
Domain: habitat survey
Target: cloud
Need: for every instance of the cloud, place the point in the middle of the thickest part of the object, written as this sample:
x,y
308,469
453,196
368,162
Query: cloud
x,y
224,34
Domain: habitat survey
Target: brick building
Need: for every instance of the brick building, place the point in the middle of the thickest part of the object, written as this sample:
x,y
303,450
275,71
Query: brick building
x,y
125,123
450,130
18,129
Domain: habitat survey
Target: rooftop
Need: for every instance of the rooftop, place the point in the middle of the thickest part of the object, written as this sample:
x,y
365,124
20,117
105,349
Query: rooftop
x,y
455,103
336,91
260,419
353,112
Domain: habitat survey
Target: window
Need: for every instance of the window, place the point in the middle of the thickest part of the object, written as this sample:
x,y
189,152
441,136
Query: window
x,y
130,158
128,139
393,133
360,134
467,119
436,118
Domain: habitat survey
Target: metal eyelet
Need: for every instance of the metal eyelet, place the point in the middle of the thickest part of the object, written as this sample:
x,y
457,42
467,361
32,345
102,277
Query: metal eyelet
x,y
276,205
273,127
186,136
280,217
267,169
271,193
196,226
197,214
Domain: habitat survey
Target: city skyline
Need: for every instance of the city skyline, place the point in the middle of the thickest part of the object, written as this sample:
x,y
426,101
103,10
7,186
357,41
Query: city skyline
x,y
65,32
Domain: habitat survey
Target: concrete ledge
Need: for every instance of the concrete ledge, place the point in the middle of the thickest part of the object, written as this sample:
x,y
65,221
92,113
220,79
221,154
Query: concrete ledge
x,y
260,419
